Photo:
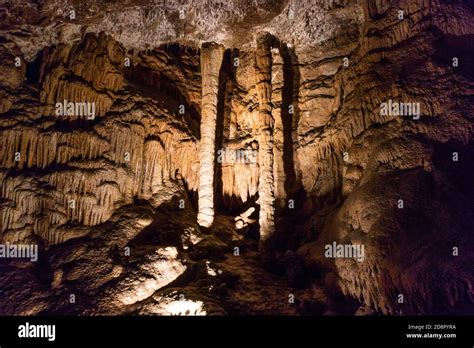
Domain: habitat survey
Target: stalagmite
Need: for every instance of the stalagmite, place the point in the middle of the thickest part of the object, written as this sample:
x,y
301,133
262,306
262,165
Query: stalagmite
x,y
211,60
263,75
278,113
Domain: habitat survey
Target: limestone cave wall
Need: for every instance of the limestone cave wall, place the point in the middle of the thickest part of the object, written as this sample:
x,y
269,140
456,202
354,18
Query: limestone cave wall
x,y
296,87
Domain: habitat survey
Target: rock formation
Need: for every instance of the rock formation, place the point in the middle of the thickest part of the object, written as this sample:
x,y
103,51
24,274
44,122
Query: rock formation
x,y
211,61
264,134
281,127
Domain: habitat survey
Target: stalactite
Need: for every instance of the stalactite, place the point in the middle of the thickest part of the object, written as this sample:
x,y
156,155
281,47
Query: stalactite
x,y
263,74
211,61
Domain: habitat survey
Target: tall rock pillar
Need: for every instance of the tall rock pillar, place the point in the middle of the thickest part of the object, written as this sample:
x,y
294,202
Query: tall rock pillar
x,y
211,61
263,75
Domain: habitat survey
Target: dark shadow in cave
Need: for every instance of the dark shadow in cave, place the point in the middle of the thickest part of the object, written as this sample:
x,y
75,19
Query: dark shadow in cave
x,y
162,231
225,74
461,47
291,80
290,92
33,69
156,84
191,195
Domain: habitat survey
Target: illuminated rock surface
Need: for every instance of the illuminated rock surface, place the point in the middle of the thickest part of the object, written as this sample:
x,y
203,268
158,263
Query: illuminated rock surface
x,y
112,201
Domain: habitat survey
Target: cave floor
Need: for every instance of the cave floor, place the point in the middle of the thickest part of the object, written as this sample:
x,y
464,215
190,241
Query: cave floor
x,y
155,261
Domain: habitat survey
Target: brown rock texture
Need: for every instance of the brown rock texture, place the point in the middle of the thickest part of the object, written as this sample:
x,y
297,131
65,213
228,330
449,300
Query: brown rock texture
x,y
211,61
85,174
116,201
264,130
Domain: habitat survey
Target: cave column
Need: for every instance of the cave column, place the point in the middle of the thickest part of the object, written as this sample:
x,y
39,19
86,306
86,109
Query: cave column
x,y
263,75
211,61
